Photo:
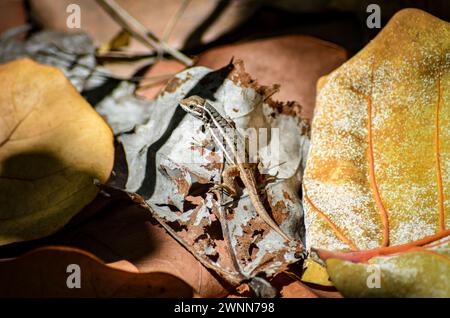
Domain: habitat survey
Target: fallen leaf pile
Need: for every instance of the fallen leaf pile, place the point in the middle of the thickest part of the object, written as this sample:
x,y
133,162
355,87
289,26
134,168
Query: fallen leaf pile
x,y
177,172
123,112
92,174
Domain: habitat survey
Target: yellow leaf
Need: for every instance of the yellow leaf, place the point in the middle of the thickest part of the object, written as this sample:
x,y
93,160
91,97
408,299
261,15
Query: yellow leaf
x,y
315,273
52,146
422,272
378,173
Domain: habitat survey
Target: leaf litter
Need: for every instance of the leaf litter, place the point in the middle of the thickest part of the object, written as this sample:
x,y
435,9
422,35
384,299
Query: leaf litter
x,y
182,173
166,173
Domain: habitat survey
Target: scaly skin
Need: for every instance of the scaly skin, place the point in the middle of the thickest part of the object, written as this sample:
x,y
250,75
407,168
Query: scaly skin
x,y
220,129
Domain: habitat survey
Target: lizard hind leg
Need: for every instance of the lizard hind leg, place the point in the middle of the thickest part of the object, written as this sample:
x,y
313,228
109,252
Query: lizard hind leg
x,y
267,178
228,184
230,191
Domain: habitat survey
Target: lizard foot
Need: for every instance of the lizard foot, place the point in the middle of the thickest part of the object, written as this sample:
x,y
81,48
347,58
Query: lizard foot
x,y
223,187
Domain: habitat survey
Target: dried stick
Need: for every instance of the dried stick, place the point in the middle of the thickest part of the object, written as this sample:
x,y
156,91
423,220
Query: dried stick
x,y
226,234
138,31
174,19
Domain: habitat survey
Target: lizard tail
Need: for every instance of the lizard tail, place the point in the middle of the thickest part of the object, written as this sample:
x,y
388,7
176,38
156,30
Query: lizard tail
x,y
260,209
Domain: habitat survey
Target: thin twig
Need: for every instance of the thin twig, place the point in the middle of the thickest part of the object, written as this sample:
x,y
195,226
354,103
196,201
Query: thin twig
x,y
138,31
153,83
226,234
124,55
96,72
174,19
160,77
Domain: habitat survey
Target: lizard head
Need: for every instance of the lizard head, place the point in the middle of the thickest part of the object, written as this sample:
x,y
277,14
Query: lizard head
x,y
194,105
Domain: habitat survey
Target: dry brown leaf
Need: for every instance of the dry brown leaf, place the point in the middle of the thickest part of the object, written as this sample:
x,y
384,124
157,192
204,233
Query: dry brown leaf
x,y
290,286
43,273
126,237
157,77
12,14
52,146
